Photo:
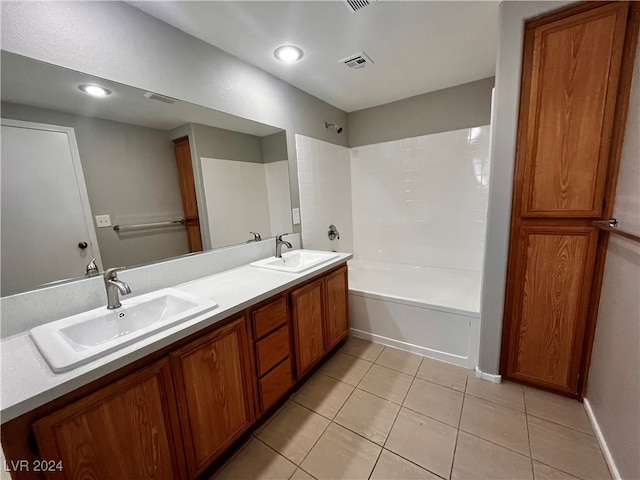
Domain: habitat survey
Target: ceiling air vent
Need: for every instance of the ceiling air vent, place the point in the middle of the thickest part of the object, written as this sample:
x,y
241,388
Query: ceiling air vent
x,y
159,98
355,5
357,60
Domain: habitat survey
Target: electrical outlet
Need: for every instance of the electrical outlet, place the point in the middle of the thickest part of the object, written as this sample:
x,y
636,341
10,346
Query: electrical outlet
x,y
296,216
103,221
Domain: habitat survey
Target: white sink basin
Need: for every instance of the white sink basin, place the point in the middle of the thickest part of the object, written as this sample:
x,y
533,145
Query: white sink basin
x,y
296,261
75,340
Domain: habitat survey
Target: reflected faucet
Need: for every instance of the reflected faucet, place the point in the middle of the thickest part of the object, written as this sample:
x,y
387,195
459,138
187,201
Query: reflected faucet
x,y
279,243
113,286
256,237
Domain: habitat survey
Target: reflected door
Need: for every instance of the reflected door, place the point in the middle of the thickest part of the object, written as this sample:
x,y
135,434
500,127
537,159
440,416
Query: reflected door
x,y
188,191
47,227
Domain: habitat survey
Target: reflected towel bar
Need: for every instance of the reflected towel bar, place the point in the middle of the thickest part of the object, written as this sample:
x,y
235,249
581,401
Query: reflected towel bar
x,y
118,228
612,227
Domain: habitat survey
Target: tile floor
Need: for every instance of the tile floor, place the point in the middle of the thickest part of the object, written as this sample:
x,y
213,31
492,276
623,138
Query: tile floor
x,y
375,412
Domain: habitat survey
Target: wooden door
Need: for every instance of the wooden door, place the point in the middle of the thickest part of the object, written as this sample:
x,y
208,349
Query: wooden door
x,y
308,320
188,191
126,430
575,87
337,307
213,387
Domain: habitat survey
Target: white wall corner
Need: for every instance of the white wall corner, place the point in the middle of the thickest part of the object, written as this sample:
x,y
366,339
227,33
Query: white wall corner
x,y
487,376
615,473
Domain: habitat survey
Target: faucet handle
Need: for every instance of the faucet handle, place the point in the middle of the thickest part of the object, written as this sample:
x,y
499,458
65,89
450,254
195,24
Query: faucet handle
x,y
256,236
279,237
112,273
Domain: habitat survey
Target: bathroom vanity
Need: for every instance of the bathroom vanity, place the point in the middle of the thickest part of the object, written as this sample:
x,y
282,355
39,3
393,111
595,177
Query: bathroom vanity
x,y
172,412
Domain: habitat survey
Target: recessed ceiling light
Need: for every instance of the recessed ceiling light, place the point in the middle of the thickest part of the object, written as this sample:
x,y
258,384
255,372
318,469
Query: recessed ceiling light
x,y
95,90
288,53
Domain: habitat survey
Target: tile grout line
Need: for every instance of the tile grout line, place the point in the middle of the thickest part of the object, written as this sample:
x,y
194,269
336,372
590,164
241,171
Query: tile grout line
x,y
526,423
455,445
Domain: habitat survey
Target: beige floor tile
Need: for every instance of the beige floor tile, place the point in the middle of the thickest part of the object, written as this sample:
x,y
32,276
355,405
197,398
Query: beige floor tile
x,y
424,441
363,349
558,409
294,431
256,461
498,424
478,459
507,394
341,454
368,415
323,395
568,450
386,383
405,362
346,368
435,401
257,431
443,373
545,472
392,467
300,474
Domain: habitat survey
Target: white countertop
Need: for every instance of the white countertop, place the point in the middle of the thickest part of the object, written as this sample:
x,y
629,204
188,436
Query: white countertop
x,y
28,382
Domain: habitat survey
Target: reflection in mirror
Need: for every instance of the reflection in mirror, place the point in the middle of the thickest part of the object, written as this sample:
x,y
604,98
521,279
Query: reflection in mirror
x,y
73,166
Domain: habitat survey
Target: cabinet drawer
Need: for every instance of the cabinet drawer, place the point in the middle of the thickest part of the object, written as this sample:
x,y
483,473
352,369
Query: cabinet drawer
x,y
272,349
275,384
268,318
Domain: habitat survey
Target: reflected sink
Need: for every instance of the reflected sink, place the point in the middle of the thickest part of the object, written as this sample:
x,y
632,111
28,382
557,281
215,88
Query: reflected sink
x,y
75,340
296,261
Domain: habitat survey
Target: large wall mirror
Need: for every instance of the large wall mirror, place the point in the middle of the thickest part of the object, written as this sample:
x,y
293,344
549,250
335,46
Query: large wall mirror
x,y
75,165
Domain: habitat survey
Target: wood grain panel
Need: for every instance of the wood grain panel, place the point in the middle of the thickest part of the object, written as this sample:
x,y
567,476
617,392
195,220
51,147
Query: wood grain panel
x,y
308,320
214,399
575,74
97,437
272,349
337,307
275,384
269,317
554,280
188,192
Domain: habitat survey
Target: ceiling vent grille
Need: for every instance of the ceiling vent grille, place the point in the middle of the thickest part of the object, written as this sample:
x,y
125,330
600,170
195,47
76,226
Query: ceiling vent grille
x,y
355,5
159,98
357,60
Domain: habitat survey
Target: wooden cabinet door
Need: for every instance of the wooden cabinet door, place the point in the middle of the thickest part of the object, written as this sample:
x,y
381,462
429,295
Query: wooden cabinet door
x,y
213,387
126,430
577,64
550,314
308,320
336,307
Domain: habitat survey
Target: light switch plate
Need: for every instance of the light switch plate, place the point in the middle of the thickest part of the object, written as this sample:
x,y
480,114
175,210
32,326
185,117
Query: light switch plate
x,y
103,221
296,216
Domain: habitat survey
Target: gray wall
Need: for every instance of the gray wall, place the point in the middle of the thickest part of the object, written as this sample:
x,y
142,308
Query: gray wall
x,y
211,142
274,147
462,106
503,140
131,175
614,382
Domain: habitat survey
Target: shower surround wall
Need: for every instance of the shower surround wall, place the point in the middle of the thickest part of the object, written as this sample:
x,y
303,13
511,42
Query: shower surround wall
x,y
324,179
418,214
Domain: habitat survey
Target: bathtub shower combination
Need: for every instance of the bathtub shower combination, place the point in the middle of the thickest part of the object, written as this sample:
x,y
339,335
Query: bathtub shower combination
x,y
417,228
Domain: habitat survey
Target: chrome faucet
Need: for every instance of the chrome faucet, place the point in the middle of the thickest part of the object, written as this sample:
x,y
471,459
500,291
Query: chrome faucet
x,y
279,243
256,237
113,286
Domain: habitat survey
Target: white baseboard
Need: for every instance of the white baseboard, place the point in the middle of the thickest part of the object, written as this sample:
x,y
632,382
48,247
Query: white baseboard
x,y
603,443
488,376
409,347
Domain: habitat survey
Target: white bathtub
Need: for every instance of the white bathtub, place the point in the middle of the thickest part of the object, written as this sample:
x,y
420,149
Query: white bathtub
x,y
430,311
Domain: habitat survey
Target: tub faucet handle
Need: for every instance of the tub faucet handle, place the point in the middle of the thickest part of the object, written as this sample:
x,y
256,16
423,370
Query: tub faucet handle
x,y
333,233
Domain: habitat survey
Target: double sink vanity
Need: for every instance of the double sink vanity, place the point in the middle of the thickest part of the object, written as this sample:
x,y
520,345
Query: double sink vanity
x,y
163,385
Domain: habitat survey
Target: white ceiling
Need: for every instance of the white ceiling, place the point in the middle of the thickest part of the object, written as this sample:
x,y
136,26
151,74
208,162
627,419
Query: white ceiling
x,y
416,46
